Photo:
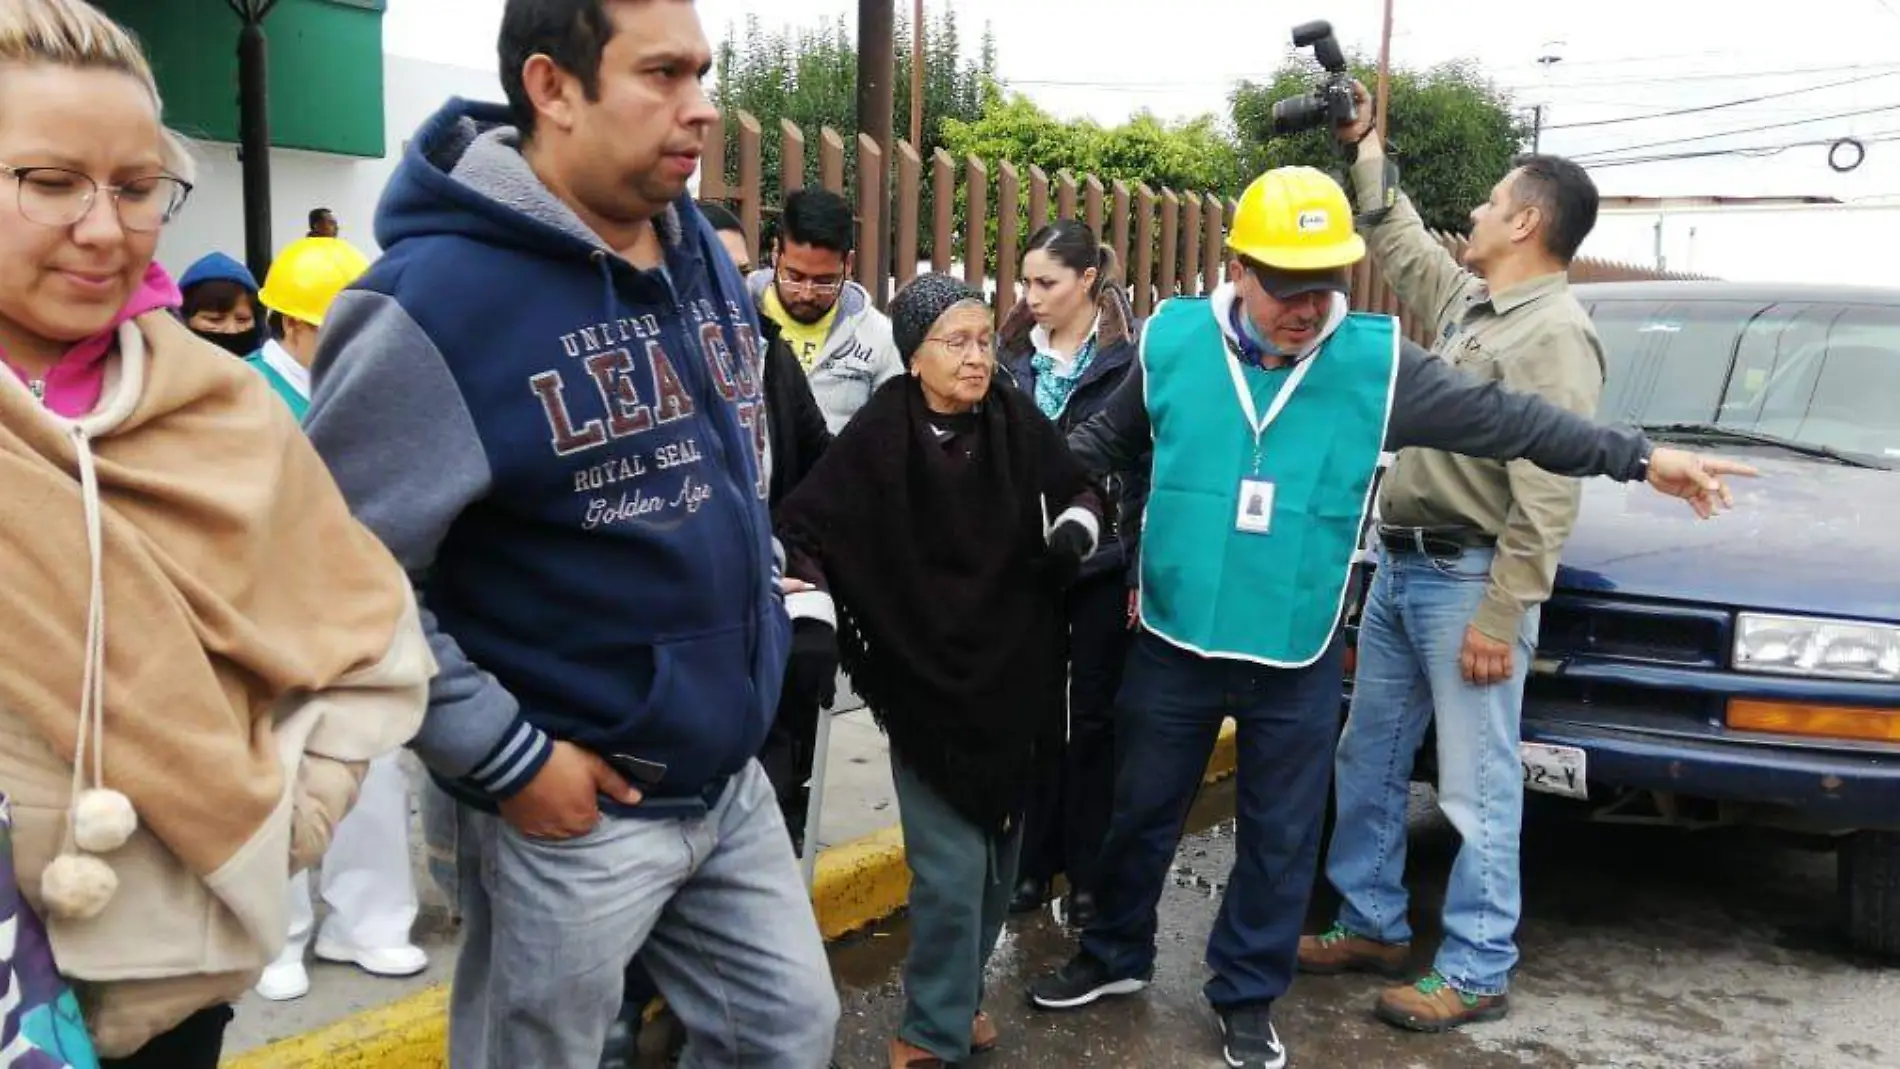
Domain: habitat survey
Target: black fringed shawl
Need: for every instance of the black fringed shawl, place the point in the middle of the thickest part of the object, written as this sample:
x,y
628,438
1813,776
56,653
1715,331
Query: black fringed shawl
x,y
949,620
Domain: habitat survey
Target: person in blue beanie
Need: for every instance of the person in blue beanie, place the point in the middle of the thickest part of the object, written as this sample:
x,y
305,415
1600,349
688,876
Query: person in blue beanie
x,y
221,304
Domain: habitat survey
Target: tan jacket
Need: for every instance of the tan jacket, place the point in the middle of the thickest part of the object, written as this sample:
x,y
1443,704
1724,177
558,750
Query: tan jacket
x,y
1535,338
175,939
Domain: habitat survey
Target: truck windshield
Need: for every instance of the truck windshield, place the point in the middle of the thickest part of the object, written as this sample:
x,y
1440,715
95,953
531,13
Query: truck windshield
x,y
1825,375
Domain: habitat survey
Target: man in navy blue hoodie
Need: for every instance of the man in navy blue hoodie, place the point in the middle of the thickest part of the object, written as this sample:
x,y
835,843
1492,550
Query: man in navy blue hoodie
x,y
545,397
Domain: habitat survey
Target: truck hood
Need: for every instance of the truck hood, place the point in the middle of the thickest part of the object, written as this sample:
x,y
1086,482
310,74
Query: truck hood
x,y
1809,537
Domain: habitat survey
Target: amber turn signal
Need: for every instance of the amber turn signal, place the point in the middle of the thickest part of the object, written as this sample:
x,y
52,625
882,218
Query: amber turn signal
x,y
1822,721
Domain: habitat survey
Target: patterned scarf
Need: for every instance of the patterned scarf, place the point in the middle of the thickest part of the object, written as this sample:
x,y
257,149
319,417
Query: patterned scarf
x,y
1054,387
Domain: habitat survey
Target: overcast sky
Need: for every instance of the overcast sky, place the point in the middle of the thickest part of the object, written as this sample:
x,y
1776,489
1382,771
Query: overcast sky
x,y
1620,60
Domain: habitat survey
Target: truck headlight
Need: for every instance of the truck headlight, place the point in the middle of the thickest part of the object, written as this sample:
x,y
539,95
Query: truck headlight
x,y
1827,649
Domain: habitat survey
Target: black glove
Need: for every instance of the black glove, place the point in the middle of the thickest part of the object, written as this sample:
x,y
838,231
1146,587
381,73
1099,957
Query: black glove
x,y
1069,544
811,674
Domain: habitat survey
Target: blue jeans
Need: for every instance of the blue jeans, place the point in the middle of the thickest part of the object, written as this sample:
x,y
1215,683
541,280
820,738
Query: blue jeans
x,y
1170,709
713,905
1409,642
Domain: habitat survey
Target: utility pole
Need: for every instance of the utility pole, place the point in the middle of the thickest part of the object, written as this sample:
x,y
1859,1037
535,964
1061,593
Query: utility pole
x,y
1553,54
917,75
876,43
1385,68
254,130
875,70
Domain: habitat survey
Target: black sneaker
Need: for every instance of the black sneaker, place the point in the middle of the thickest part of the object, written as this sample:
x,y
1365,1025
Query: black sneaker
x,y
1081,981
1248,1040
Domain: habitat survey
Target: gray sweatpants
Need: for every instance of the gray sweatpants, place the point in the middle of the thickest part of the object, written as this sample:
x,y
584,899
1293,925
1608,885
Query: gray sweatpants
x,y
961,881
714,905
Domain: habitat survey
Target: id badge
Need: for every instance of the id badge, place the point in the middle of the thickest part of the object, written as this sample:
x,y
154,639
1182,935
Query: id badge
x,y
1255,512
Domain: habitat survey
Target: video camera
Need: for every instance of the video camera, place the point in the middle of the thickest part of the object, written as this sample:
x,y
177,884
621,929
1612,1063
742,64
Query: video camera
x,y
1331,101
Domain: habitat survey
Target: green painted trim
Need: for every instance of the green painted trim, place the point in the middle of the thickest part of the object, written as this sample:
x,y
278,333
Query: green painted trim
x,y
325,69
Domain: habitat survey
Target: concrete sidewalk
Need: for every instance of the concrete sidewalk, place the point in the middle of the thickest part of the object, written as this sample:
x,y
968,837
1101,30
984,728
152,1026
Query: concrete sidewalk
x,y
859,800
352,1020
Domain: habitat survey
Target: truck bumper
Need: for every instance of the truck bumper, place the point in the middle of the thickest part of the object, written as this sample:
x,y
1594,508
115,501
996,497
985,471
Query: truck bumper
x,y
1826,790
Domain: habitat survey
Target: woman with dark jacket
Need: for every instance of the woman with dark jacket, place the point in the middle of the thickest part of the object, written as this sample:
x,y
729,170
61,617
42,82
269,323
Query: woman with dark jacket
x,y
1068,344
945,522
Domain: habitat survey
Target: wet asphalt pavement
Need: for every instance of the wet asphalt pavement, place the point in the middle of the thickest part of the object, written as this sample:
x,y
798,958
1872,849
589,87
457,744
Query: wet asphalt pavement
x,y
1641,948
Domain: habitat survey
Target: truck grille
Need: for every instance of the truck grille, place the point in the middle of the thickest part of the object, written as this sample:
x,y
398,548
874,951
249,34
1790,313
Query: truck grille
x,y
1590,636
1633,631
1559,697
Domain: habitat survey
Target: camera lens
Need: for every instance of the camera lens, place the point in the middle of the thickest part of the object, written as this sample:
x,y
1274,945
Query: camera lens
x,y
1297,114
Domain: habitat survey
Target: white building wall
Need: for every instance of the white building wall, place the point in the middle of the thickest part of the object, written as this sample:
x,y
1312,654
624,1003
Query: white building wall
x,y
300,181
1844,244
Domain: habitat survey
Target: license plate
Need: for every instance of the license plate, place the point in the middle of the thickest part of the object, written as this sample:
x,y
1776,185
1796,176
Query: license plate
x,y
1556,770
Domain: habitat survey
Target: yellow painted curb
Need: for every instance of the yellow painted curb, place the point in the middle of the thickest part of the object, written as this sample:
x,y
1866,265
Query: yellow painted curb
x,y
858,884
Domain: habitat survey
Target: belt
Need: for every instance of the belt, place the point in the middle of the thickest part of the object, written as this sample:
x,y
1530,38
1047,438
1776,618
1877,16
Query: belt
x,y
1434,541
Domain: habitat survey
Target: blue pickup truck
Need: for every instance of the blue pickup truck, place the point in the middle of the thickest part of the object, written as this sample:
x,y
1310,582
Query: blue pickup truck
x,y
1745,670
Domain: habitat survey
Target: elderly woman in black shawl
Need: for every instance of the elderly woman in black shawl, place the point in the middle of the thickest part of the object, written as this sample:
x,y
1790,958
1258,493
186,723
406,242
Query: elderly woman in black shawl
x,y
944,522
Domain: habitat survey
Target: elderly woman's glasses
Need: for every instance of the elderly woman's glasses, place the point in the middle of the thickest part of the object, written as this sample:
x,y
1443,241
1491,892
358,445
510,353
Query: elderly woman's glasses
x,y
964,343
55,196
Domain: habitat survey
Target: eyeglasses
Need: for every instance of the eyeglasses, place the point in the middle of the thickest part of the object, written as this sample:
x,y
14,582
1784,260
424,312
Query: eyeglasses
x,y
808,285
964,343
55,196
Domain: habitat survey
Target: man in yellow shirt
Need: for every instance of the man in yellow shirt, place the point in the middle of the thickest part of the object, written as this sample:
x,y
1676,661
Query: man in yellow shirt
x,y
830,322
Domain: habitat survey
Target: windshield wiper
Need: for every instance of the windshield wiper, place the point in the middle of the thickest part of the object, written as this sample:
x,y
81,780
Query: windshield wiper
x,y
1717,432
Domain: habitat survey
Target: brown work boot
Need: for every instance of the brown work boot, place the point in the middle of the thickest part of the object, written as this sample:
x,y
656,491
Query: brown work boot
x,y
1433,1005
982,1034
1337,950
905,1056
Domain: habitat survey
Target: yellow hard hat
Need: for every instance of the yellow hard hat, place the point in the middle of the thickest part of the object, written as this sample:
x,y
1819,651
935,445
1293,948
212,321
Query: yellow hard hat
x,y
1296,219
308,275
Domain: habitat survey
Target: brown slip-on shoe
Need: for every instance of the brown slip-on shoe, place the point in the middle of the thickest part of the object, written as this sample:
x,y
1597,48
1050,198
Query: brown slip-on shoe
x,y
1433,1005
905,1056
1337,950
982,1034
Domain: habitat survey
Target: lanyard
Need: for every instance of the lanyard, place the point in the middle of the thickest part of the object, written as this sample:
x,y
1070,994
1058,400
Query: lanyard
x,y
1256,423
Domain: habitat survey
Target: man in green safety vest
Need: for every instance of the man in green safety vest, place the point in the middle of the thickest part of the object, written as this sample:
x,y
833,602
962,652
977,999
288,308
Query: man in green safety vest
x,y
1269,411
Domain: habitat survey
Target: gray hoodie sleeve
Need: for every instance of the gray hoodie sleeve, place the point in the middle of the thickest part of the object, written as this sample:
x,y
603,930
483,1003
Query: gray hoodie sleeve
x,y
408,478
1437,406
875,334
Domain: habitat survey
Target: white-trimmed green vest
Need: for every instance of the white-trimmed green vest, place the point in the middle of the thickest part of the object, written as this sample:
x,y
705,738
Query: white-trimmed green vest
x,y
1270,596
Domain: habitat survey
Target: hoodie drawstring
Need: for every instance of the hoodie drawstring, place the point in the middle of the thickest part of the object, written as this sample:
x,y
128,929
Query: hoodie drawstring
x,y
98,821
92,688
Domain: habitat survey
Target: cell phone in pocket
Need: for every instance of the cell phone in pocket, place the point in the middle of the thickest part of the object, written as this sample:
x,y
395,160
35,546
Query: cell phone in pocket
x,y
637,770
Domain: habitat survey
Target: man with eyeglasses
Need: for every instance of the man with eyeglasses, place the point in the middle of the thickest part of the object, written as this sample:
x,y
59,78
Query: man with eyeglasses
x,y
830,322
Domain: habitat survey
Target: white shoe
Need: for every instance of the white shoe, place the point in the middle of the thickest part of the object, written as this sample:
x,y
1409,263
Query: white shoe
x,y
283,981
405,960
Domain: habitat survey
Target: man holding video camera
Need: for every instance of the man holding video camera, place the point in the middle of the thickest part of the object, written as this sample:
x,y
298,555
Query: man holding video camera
x,y
1468,551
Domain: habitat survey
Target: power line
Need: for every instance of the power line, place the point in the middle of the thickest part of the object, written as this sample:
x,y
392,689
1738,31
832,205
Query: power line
x,y
1712,76
1259,77
1751,151
1724,104
1582,157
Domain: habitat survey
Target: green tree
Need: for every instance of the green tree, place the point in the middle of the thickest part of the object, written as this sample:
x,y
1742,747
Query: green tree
x,y
1195,155
1452,131
810,76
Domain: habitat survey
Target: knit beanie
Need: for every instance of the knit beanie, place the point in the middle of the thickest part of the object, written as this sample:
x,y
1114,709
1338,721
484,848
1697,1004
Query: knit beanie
x,y
919,305
217,267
